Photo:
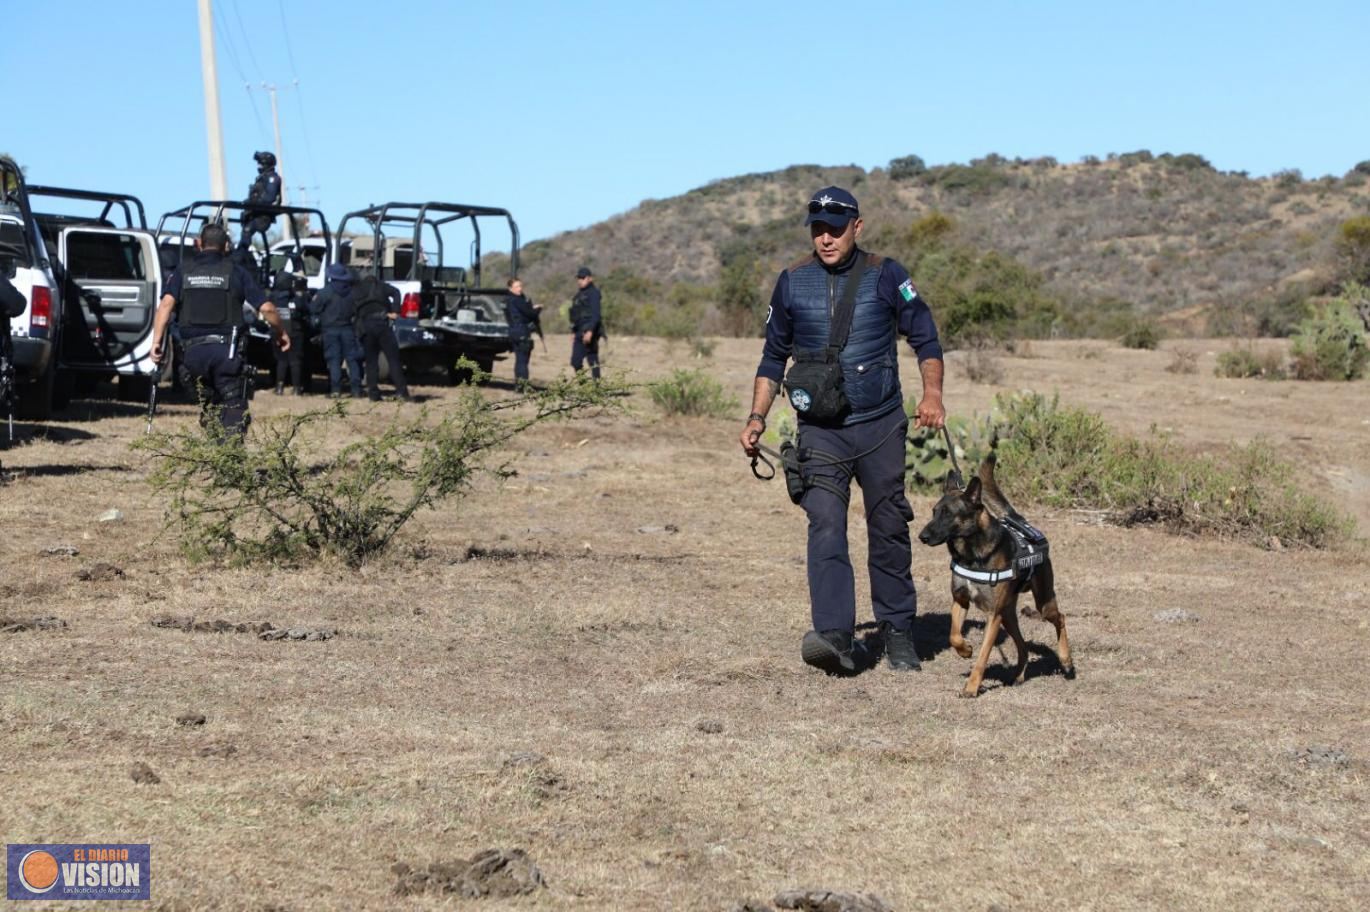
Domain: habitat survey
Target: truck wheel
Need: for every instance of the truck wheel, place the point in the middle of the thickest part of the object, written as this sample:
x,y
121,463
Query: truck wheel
x,y
35,399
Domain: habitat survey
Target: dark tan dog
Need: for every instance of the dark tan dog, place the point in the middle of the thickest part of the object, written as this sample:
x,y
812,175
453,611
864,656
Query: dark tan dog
x,y
991,567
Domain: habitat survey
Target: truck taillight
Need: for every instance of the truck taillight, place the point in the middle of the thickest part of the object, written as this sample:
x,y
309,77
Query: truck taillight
x,y
40,309
409,307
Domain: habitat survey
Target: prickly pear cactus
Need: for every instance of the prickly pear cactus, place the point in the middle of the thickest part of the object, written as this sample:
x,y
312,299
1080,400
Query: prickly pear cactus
x,y
927,460
784,428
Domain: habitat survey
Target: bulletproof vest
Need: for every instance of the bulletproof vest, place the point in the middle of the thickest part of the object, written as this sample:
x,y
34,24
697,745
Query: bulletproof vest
x,y
869,364
208,298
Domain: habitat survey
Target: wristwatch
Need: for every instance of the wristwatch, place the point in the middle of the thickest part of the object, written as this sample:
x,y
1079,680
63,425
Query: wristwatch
x,y
757,416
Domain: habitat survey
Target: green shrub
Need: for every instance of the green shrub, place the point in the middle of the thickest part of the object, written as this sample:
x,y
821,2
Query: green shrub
x,y
927,461
1240,363
692,392
1330,345
906,168
286,494
1143,334
1069,458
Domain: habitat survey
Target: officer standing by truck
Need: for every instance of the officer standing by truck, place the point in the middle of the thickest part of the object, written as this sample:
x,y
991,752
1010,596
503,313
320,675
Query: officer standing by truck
x,y
525,319
377,305
209,295
290,293
335,306
587,323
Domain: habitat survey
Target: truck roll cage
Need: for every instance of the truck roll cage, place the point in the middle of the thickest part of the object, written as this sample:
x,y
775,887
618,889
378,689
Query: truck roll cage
x,y
434,215
198,213
126,202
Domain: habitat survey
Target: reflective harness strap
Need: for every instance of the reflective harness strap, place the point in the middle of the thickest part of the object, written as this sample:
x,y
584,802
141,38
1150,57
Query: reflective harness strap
x,y
1028,554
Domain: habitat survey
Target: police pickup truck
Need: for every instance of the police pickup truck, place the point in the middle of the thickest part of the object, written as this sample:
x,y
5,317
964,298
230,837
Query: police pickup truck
x,y
446,313
89,269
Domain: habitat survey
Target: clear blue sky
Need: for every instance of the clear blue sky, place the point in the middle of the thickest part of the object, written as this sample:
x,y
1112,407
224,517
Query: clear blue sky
x,y
569,113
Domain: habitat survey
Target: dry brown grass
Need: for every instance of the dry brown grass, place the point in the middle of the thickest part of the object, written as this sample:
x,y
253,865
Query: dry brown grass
x,y
537,618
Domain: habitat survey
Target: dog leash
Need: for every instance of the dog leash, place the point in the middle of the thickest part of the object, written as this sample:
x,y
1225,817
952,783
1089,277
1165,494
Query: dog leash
x,y
956,477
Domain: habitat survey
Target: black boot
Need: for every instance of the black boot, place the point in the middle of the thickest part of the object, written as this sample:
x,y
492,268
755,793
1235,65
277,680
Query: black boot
x,y
899,648
830,650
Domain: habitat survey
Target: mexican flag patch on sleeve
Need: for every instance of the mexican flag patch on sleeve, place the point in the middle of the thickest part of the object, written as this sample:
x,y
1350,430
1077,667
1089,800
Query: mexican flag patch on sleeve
x,y
907,290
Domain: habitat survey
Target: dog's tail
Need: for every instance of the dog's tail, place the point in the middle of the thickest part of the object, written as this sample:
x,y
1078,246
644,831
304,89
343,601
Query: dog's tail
x,y
991,494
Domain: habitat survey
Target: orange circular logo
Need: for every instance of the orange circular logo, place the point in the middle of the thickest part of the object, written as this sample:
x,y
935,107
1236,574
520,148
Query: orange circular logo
x,y
38,871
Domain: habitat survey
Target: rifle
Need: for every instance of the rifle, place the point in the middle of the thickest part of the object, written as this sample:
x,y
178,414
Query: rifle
x,y
156,377
537,327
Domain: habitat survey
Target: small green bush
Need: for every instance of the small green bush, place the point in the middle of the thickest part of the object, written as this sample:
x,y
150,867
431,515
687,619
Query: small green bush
x,y
286,493
1241,363
692,392
1330,345
1069,458
1141,334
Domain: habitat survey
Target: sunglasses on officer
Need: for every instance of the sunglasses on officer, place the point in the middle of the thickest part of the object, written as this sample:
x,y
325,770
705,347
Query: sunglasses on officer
x,y
832,207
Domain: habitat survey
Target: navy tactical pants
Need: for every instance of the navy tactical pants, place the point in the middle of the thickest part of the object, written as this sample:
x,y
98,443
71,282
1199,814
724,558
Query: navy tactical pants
x,y
378,338
523,348
832,586
219,383
340,343
581,353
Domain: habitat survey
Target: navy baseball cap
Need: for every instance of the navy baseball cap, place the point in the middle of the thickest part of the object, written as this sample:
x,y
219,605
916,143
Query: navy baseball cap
x,y
338,271
832,206
584,272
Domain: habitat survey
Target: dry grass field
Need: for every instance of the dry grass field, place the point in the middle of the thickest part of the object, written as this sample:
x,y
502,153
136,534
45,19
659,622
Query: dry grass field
x,y
597,662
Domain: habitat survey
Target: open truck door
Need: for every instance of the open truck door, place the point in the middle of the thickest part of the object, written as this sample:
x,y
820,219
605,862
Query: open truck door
x,y
116,278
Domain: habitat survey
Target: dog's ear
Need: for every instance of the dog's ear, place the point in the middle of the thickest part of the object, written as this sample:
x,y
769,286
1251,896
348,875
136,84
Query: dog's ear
x,y
952,483
973,491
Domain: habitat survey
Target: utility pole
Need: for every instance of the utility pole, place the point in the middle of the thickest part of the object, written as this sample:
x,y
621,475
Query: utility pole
x,y
218,179
287,223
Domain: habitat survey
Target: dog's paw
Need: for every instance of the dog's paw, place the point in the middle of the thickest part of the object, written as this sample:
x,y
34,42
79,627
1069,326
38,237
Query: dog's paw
x,y
969,694
962,649
1068,672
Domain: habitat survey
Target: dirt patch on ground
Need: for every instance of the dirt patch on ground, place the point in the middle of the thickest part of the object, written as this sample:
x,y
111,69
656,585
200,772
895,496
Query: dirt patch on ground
x,y
672,751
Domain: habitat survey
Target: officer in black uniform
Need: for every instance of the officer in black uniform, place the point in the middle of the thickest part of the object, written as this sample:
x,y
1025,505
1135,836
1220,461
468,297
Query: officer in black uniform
x,y
587,323
265,191
209,296
377,304
525,319
290,293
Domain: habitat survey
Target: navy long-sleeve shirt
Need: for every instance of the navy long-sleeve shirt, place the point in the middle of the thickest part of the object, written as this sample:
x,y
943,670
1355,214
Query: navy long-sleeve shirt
x,y
585,311
522,316
895,288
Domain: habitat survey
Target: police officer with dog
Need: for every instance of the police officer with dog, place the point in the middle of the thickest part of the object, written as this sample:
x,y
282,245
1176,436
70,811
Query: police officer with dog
x,y
210,296
838,313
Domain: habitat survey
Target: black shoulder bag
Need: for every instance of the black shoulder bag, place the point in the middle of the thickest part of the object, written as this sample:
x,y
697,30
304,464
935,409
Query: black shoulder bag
x,y
814,382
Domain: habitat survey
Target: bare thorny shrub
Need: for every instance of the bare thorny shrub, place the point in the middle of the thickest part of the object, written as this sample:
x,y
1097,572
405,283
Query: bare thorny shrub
x,y
285,495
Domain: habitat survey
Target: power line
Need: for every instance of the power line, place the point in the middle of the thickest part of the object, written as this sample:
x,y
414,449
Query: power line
x,y
299,98
237,68
247,39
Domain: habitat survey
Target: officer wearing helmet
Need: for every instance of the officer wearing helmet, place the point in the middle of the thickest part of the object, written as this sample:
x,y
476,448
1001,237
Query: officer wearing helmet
x,y
210,296
265,191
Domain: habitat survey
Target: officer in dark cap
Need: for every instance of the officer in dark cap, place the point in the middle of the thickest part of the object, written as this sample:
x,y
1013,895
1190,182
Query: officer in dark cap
x,y
858,433
265,191
336,308
211,296
587,324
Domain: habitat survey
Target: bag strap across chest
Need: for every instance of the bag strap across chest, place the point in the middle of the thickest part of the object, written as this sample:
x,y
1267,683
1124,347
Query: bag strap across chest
x,y
840,327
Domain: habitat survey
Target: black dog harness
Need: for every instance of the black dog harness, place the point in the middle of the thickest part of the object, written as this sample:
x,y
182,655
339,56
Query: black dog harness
x,y
1030,550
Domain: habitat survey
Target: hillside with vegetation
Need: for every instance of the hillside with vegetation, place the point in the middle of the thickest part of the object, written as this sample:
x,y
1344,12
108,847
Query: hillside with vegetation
x,y
1001,247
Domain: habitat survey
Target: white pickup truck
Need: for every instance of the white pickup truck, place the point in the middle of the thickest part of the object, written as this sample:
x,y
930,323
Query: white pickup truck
x,y
445,313
91,286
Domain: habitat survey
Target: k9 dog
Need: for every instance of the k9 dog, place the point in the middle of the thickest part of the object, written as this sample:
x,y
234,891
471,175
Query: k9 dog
x,y
995,555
